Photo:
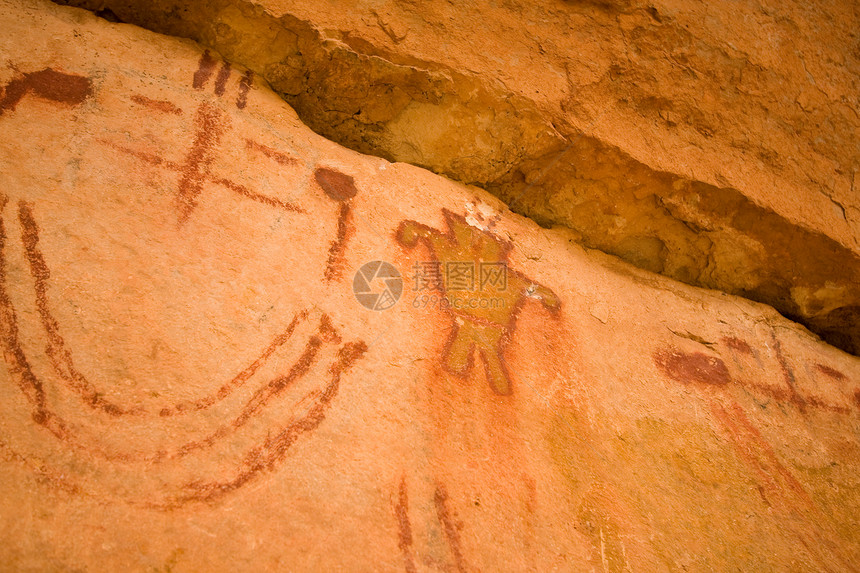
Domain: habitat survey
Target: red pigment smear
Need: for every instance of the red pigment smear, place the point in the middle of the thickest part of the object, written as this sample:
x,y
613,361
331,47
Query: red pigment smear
x,y
49,84
440,499
404,541
336,185
204,70
221,80
695,367
244,88
156,104
279,157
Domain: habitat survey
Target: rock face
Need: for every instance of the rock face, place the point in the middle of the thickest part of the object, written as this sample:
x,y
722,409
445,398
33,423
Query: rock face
x,y
714,145
231,344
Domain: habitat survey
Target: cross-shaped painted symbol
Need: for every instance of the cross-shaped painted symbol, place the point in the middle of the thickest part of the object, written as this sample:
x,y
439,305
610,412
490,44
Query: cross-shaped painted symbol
x,y
210,124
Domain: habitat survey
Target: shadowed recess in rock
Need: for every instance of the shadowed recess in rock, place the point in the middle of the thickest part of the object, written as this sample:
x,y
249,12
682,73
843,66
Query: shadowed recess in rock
x,y
373,100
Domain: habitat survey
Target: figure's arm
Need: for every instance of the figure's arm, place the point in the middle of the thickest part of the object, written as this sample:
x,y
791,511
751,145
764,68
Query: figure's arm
x,y
409,232
546,296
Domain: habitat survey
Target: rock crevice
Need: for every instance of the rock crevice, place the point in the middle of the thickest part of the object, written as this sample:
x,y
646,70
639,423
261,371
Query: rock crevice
x,y
550,165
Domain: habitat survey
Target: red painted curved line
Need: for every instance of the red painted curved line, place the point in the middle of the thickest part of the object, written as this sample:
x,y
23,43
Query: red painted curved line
x,y
33,388
61,358
57,480
13,354
239,380
30,386
259,459
274,449
255,404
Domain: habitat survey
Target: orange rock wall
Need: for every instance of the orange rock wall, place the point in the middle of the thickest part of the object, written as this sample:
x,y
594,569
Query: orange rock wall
x,y
203,368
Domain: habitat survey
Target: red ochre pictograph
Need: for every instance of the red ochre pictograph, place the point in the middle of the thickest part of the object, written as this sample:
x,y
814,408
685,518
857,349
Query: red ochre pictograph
x,y
252,429
707,370
340,188
485,329
262,455
448,523
210,125
778,487
48,84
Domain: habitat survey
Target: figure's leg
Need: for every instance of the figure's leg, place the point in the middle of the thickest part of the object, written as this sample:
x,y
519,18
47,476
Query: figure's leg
x,y
494,362
459,352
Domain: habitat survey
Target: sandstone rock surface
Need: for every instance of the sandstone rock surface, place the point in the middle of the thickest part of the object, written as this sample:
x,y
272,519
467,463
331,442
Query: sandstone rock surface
x,y
715,144
206,366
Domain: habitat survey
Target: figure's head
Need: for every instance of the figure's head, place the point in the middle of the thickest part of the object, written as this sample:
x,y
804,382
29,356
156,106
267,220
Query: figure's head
x,y
337,185
408,233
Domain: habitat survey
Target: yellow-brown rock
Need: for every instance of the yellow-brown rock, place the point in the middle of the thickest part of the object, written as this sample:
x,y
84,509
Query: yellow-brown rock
x,y
713,144
206,366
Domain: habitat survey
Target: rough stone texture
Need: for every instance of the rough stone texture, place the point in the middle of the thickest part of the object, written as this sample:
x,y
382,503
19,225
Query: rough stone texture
x,y
715,144
190,383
